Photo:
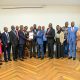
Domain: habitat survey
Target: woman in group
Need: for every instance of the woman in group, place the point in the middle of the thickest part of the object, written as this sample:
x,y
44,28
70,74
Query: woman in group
x,y
59,42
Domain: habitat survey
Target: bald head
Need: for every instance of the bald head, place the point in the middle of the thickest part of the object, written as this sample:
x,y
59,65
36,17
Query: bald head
x,y
50,25
5,29
72,24
66,24
13,27
21,27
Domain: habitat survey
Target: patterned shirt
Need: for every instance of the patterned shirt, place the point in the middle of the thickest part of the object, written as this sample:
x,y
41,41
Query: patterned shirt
x,y
65,31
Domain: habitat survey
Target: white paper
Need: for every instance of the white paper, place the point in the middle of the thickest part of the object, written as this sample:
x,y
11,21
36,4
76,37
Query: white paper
x,y
30,35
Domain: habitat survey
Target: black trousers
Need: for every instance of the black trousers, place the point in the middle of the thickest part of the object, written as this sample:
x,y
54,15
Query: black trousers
x,y
24,46
7,49
21,50
32,48
44,46
59,50
15,51
50,50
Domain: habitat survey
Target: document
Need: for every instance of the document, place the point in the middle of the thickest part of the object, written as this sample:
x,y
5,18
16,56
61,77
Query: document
x,y
31,35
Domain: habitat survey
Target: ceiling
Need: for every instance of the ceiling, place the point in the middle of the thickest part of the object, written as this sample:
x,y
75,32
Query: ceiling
x,y
39,2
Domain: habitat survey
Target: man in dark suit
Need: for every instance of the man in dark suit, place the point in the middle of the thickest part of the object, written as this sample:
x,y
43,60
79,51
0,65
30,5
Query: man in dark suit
x,y
17,30
22,40
0,34
34,39
50,39
6,44
26,33
14,42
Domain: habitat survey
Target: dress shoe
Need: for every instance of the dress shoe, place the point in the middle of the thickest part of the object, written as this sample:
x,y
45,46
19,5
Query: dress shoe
x,y
69,57
25,58
39,57
30,56
21,60
51,58
6,60
74,58
34,56
0,63
15,59
9,60
42,58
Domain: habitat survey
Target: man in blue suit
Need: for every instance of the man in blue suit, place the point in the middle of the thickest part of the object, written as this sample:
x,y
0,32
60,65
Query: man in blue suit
x,y
72,40
22,40
6,44
40,43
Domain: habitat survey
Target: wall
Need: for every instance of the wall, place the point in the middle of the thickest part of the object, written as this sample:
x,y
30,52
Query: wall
x,y
40,16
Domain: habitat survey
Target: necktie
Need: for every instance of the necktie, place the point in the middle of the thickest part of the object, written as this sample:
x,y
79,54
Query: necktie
x,y
8,39
72,29
48,30
17,33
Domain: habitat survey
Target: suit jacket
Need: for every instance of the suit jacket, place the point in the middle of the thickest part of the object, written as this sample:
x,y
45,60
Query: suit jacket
x,y
35,33
22,38
40,37
26,33
0,35
59,37
4,39
72,34
50,35
13,38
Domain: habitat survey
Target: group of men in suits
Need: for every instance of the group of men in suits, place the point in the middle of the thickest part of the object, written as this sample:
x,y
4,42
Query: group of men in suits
x,y
38,39
16,39
70,39
41,38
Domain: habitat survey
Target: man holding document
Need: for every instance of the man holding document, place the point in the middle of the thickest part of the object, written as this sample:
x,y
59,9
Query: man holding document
x,y
31,35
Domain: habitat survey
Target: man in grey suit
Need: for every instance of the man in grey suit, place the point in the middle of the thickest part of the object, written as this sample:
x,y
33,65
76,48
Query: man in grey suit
x,y
14,42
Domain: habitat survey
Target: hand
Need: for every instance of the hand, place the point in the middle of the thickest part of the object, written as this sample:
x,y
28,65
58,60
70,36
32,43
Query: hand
x,y
27,36
76,42
34,34
67,41
6,46
29,39
46,35
1,43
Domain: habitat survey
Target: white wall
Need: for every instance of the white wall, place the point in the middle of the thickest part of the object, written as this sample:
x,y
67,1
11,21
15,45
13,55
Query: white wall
x,y
41,16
